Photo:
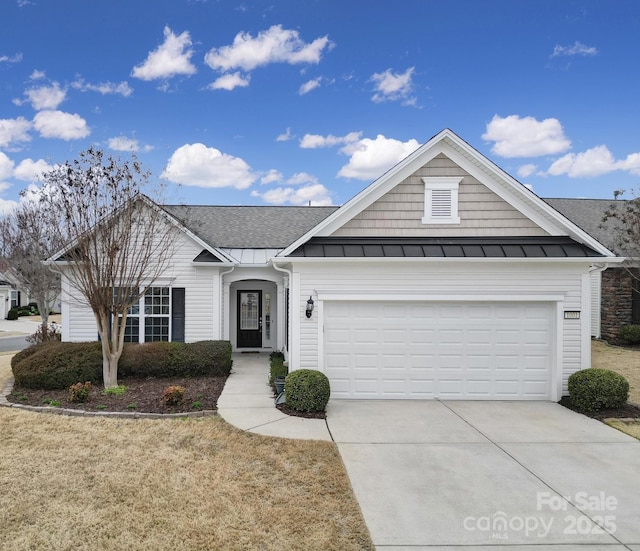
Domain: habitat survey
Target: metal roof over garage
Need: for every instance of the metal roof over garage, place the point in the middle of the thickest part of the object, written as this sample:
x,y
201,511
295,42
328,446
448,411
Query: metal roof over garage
x,y
461,247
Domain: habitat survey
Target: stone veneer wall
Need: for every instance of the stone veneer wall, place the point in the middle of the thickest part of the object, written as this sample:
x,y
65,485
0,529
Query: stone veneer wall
x,y
617,289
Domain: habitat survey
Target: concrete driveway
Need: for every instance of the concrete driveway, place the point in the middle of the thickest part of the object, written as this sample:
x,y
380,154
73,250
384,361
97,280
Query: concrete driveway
x,y
457,474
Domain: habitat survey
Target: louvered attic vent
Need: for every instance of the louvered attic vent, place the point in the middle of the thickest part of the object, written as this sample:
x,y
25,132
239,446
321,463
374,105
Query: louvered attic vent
x,y
441,200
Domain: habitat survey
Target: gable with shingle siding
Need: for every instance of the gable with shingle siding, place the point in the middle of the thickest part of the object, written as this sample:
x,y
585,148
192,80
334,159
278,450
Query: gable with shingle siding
x,y
399,212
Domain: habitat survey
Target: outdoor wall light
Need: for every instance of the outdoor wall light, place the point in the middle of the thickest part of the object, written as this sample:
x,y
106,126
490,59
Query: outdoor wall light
x,y
309,307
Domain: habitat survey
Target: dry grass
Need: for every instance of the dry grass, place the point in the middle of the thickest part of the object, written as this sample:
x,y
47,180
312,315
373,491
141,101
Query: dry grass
x,y
632,428
625,361
5,368
108,484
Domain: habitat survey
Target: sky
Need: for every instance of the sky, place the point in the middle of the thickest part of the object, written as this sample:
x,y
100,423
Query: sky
x,y
291,102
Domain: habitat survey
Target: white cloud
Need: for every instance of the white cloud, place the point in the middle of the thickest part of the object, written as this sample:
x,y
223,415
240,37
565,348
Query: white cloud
x,y
271,177
14,130
122,143
169,59
57,124
526,170
391,86
309,85
300,178
6,206
17,58
275,45
593,162
202,166
372,158
314,194
45,97
577,49
314,141
285,137
631,163
6,166
30,171
37,75
104,88
230,81
525,137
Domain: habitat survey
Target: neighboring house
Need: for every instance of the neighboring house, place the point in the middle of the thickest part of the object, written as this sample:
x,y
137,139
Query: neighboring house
x,y
10,294
445,278
615,291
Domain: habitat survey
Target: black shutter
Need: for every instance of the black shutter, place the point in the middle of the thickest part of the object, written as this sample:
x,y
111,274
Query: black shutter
x,y
177,314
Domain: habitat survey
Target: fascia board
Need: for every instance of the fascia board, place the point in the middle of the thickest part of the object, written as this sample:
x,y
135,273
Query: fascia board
x,y
456,260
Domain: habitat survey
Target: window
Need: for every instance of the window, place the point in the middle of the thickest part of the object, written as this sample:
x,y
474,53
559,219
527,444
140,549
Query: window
x,y
153,312
441,200
157,305
15,298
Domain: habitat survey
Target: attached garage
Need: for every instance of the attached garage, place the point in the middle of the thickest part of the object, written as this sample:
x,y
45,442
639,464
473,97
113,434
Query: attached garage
x,y
442,350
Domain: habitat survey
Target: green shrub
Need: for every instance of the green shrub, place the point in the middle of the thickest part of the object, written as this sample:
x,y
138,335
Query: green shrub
x,y
173,395
629,334
79,392
307,390
58,365
594,389
13,314
176,359
276,355
277,369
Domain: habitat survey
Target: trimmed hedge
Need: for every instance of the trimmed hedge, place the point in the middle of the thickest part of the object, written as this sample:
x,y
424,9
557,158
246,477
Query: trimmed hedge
x,y
307,390
277,368
594,389
59,365
629,334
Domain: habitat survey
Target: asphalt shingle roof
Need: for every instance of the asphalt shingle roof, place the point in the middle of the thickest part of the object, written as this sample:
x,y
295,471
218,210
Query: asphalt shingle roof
x,y
588,215
250,227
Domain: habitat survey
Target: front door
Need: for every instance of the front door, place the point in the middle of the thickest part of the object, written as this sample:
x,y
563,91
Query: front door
x,y
249,319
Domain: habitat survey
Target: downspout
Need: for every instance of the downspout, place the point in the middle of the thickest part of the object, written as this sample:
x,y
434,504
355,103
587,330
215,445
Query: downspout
x,y
598,268
290,276
221,291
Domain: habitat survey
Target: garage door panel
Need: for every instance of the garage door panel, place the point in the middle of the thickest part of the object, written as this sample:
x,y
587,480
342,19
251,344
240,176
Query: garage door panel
x,y
438,350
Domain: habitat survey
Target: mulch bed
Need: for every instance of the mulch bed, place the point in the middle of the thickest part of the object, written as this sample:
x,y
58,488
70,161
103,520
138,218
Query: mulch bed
x,y
284,408
142,395
629,411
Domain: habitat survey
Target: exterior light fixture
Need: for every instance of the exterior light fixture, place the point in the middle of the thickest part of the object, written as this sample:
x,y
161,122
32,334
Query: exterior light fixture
x,y
309,307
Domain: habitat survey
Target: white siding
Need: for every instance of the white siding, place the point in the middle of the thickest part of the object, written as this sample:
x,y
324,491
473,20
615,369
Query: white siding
x,y
200,283
441,279
596,284
399,212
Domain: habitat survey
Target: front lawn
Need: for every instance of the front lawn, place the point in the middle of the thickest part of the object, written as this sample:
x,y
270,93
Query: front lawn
x,y
625,361
193,484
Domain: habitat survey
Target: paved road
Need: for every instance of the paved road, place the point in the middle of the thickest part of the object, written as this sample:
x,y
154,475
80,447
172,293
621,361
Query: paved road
x,y
8,344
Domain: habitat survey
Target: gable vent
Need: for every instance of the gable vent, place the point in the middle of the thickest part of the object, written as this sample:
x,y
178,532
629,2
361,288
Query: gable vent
x,y
441,200
441,203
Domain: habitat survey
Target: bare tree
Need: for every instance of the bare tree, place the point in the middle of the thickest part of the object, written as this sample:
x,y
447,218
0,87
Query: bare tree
x,y
622,220
25,242
118,241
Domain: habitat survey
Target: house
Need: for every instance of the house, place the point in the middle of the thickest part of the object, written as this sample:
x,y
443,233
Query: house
x,y
615,292
443,279
10,294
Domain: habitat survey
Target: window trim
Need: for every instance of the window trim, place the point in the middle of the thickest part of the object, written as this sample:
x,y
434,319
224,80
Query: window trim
x,y
441,183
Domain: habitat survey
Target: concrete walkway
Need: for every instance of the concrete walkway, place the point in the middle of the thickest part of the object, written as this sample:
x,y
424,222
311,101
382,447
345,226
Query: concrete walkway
x,y
247,403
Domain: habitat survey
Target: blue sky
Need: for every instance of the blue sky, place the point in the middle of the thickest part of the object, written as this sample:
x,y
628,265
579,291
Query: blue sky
x,y
286,102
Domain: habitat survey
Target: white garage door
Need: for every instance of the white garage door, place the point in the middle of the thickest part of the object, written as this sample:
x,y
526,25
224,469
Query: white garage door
x,y
471,350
